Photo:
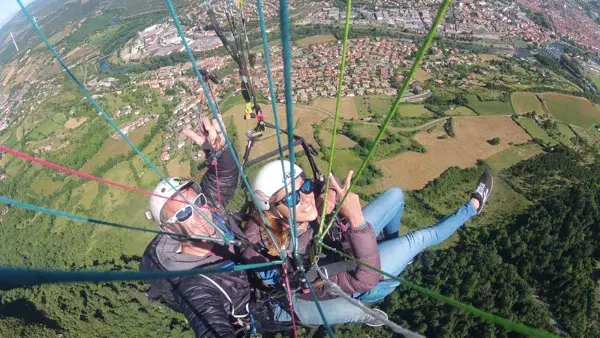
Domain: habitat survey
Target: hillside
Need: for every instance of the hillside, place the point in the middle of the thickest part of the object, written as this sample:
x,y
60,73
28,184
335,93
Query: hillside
x,y
531,256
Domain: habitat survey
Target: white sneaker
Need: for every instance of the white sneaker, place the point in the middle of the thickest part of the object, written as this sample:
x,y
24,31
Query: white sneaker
x,y
374,322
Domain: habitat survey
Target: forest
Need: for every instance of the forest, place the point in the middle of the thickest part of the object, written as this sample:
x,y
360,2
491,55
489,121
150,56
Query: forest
x,y
537,267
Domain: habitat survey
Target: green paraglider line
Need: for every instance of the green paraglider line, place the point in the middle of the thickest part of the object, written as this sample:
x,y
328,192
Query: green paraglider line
x,y
420,55
335,119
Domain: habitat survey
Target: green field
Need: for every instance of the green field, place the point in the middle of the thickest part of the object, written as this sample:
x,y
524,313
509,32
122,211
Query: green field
x,y
19,134
535,130
62,98
148,177
367,130
59,118
14,167
519,70
511,156
503,201
113,102
460,111
361,106
566,134
43,130
413,110
345,160
596,80
572,110
113,148
524,102
45,185
489,107
341,141
381,104
11,141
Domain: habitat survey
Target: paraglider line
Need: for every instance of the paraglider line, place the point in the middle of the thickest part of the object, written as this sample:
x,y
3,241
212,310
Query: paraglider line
x,y
82,174
420,55
33,207
336,118
11,277
505,323
213,110
112,123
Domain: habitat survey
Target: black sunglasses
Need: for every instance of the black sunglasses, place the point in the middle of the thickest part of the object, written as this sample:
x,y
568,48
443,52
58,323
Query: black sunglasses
x,y
306,188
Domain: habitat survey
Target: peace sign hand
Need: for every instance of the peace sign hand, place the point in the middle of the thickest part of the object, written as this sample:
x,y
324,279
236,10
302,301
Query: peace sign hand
x,y
211,138
351,208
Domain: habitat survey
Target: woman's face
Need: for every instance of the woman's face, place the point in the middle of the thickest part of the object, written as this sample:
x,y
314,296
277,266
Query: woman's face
x,y
306,210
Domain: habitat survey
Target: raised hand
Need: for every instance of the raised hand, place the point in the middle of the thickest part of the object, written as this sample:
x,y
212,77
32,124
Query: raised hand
x,y
211,138
351,208
331,196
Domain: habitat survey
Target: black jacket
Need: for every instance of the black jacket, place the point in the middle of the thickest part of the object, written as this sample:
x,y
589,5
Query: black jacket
x,y
203,299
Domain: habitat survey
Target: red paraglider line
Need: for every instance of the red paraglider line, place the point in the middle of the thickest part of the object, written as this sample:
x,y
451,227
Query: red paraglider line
x,y
289,295
81,174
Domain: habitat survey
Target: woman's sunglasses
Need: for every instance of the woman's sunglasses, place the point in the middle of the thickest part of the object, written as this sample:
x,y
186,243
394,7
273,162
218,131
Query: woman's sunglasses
x,y
306,188
186,212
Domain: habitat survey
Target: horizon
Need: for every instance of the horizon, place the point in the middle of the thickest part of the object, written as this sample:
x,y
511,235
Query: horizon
x,y
6,16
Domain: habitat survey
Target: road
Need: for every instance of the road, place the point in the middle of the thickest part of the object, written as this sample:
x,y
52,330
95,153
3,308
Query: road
x,y
328,113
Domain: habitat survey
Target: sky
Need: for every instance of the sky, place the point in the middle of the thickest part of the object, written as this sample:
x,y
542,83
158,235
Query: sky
x,y
9,8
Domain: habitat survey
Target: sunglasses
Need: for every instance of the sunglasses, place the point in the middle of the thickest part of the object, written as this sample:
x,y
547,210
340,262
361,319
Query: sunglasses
x,y
186,212
306,188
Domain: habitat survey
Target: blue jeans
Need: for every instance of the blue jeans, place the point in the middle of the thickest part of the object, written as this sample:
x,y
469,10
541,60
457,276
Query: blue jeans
x,y
384,214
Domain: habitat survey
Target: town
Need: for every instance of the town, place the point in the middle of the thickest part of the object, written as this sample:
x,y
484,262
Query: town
x,y
467,20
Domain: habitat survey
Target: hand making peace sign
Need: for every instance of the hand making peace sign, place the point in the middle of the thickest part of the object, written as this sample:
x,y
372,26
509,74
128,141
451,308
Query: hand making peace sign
x,y
211,137
351,208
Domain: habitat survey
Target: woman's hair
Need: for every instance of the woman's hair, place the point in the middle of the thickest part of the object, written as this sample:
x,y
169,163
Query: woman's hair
x,y
282,236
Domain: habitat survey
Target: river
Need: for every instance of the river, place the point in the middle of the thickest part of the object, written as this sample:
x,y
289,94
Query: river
x,y
105,66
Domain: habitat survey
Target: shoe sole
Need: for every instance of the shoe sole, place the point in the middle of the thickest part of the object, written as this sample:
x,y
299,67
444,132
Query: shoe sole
x,y
486,199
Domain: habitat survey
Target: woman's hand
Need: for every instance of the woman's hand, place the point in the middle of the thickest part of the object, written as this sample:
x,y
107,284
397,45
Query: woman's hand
x,y
331,196
351,208
211,138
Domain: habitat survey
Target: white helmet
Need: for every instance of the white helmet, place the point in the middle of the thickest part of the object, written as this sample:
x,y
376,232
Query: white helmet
x,y
166,191
271,179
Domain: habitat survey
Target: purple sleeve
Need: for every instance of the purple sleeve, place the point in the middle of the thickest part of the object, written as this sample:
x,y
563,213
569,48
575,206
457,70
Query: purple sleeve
x,y
363,246
252,233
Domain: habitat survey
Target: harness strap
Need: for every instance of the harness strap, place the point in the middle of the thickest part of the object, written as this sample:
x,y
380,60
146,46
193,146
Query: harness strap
x,y
228,299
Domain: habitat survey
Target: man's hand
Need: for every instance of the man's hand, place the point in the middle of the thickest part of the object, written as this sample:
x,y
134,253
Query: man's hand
x,y
212,138
351,208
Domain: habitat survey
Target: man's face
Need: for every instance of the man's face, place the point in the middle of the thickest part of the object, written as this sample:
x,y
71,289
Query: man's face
x,y
196,224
